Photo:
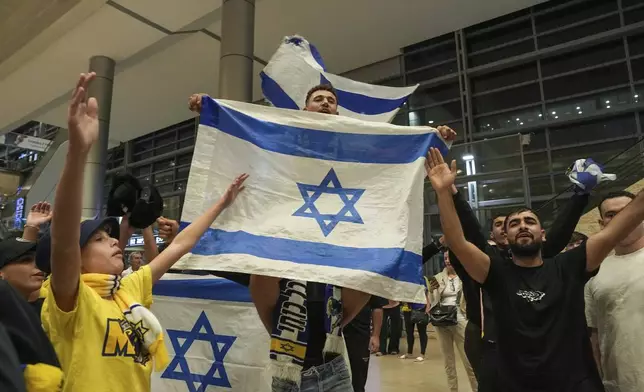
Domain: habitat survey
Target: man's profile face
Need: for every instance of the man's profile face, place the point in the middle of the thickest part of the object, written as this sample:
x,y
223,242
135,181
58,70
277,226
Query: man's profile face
x,y
610,208
498,233
322,101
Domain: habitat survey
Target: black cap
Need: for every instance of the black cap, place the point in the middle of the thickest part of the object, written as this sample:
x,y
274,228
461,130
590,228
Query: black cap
x,y
125,192
146,211
87,229
13,249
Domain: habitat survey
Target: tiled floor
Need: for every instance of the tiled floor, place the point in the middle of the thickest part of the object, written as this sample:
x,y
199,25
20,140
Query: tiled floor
x,y
390,374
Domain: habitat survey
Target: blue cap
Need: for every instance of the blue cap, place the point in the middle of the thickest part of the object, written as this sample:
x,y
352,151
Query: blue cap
x,y
87,229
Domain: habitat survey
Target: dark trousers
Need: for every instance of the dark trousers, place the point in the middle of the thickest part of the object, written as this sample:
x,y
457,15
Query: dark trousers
x,y
392,328
474,348
422,334
358,352
489,377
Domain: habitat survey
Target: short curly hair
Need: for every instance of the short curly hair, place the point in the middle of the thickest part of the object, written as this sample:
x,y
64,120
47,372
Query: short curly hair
x,y
320,87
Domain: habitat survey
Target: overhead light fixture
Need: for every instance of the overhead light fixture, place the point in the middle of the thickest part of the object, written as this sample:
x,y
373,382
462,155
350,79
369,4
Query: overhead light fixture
x,y
580,112
484,185
636,95
540,115
521,123
459,171
607,102
468,157
431,121
553,113
556,117
518,119
578,107
607,106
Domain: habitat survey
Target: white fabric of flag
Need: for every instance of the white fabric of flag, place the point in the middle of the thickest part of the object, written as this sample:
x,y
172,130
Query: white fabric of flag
x,y
297,66
330,199
214,336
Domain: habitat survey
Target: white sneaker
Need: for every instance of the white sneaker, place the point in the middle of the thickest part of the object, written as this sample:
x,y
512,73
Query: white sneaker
x,y
404,356
419,359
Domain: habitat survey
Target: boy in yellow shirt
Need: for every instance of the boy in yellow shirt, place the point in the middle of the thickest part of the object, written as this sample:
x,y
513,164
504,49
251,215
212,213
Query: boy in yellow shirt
x,y
100,325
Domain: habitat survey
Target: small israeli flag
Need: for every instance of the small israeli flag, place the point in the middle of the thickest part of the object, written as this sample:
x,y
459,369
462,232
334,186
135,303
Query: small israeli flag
x,y
297,66
587,174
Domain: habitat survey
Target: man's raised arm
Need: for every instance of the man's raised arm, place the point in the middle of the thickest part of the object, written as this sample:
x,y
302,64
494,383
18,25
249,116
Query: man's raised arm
x,y
601,244
475,261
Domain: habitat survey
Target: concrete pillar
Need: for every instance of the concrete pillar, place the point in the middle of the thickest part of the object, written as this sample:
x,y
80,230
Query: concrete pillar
x,y
237,50
101,89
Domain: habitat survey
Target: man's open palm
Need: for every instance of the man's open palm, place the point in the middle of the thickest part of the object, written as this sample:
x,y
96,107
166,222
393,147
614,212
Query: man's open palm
x,y
440,175
82,115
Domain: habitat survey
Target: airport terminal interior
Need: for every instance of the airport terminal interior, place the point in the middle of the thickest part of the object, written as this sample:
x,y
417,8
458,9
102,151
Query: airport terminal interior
x,y
528,86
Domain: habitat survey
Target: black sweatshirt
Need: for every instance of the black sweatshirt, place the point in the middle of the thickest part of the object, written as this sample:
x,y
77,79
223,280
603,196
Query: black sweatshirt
x,y
558,236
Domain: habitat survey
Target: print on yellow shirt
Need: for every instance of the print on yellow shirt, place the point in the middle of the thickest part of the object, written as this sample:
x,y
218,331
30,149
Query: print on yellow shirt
x,y
121,339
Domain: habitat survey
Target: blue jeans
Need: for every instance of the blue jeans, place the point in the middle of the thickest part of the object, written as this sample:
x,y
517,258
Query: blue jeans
x,y
332,376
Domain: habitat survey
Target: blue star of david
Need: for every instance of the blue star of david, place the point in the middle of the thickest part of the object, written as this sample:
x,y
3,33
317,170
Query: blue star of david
x,y
220,344
331,185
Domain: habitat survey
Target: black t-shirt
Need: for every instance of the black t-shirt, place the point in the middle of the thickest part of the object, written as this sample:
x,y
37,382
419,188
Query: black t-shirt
x,y
542,339
361,324
25,328
316,315
11,378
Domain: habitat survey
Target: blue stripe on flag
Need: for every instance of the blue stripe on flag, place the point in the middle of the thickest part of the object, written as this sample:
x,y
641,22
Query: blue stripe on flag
x,y
213,289
317,56
313,143
274,93
364,104
394,263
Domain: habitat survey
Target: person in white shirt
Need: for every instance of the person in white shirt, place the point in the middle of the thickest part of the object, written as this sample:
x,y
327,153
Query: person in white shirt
x,y
135,260
614,309
447,291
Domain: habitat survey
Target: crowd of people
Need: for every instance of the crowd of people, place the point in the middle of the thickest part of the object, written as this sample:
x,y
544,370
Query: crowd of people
x,y
526,309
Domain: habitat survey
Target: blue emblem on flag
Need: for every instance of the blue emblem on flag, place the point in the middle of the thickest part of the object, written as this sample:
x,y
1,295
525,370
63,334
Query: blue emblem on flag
x,y
330,185
183,340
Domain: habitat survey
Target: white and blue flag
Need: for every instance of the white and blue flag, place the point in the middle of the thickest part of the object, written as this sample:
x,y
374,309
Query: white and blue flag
x,y
297,66
214,336
330,198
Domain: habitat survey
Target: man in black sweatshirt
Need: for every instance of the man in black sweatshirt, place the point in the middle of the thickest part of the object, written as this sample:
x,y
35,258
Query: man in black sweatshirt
x,y
480,333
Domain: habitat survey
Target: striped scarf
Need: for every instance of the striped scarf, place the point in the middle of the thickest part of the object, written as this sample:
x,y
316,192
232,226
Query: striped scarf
x,y
291,330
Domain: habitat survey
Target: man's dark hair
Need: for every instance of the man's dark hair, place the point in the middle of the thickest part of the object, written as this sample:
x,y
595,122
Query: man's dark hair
x,y
577,237
320,87
613,195
516,212
495,217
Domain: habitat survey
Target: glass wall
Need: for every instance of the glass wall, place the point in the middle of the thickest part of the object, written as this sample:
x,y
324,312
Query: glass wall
x,y
567,75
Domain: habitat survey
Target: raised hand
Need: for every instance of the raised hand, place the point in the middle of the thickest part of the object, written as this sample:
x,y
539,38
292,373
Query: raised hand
x,y
82,115
168,229
39,214
194,102
440,175
447,133
233,190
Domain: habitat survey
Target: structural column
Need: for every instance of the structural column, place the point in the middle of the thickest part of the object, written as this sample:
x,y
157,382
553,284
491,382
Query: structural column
x,y
237,50
101,89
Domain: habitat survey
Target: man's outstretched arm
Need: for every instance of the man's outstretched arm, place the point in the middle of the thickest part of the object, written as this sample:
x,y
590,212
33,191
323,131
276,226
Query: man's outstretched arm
x,y
474,260
601,244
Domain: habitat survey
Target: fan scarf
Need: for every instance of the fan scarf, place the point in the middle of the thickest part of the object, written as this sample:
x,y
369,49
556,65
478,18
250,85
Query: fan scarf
x,y
289,336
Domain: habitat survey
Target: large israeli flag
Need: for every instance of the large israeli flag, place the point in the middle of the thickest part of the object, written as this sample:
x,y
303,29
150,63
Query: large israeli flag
x,y
297,66
330,198
214,336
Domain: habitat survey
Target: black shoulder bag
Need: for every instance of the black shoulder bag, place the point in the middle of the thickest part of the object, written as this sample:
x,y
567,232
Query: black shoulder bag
x,y
445,315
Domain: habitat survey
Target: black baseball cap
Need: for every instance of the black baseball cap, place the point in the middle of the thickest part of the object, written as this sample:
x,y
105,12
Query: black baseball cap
x,y
87,229
13,249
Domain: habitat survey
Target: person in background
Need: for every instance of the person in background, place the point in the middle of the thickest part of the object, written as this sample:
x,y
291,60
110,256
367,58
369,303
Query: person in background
x,y
614,309
362,340
100,325
391,328
575,240
135,260
447,290
408,310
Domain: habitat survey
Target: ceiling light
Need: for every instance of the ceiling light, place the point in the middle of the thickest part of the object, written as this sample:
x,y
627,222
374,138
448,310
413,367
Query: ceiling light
x,y
521,123
607,102
607,106
468,157
578,107
518,119
556,116
431,121
540,115
459,171
553,113
636,95
484,185
580,112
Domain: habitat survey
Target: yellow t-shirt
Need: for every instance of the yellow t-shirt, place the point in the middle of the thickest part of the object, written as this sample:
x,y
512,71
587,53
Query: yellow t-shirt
x,y
94,351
